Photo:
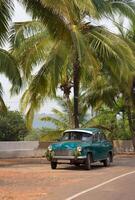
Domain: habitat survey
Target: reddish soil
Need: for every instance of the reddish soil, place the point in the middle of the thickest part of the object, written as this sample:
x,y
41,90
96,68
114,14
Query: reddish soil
x,y
20,180
32,179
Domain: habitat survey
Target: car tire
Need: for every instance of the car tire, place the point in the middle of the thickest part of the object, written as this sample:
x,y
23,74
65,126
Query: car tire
x,y
107,161
53,165
88,162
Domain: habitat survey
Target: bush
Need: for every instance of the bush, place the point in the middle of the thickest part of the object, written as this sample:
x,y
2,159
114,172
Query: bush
x,y
12,126
33,135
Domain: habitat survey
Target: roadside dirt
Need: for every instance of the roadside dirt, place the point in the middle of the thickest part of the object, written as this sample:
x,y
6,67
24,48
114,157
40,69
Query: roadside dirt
x,y
32,179
29,179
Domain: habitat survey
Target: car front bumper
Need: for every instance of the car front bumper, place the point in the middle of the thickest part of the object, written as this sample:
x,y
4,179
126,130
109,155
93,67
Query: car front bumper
x,y
68,157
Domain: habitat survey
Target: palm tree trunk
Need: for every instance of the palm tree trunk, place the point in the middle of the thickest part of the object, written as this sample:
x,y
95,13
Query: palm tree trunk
x,y
70,114
76,74
131,125
76,77
66,88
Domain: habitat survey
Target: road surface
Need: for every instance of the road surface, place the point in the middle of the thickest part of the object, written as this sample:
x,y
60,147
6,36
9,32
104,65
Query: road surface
x,y
35,180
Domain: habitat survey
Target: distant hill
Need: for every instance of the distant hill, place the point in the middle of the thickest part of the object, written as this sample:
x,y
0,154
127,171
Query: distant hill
x,y
37,123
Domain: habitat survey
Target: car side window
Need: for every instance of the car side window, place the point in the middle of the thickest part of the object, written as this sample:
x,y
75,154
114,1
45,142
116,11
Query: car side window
x,y
66,136
96,137
86,137
102,136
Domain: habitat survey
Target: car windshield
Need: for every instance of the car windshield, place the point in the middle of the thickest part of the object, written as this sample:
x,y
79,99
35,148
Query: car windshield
x,y
76,136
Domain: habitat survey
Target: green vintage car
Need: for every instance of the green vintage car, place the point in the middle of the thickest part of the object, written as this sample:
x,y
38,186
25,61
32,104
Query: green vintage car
x,y
81,146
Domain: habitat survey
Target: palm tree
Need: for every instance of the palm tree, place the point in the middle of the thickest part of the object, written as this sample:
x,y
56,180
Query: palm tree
x,y
80,41
117,96
8,64
61,118
56,72
129,95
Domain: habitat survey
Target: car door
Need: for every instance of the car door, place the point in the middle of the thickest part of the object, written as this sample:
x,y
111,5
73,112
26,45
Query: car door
x,y
96,146
105,145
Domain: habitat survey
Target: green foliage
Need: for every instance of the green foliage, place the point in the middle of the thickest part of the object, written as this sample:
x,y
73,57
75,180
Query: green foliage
x,y
50,135
34,135
62,116
8,64
65,36
12,126
123,133
115,126
6,11
9,67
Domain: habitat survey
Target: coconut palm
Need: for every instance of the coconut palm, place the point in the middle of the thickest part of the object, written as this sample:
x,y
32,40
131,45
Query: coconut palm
x,y
8,64
129,96
76,44
61,118
117,96
56,72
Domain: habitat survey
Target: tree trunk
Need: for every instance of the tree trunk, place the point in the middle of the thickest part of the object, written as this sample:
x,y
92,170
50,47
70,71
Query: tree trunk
x,y
76,73
66,88
76,76
131,121
70,114
133,140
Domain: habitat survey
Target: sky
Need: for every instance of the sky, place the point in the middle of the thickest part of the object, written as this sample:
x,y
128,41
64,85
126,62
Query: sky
x,y
13,102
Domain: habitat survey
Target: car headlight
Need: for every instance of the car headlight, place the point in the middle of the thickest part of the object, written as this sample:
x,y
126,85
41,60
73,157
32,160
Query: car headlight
x,y
50,148
79,148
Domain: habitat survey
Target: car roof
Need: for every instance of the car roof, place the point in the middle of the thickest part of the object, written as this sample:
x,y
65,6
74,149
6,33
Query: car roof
x,y
84,130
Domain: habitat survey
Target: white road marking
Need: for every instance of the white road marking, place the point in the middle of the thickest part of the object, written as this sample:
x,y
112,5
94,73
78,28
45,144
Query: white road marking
x,y
98,186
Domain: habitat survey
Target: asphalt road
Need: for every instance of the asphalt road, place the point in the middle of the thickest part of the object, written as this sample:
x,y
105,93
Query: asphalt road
x,y
19,181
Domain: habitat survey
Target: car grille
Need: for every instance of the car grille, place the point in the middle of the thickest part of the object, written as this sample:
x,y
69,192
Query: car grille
x,y
63,152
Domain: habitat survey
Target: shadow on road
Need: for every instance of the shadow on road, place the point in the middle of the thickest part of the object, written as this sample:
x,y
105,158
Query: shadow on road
x,y
82,167
119,161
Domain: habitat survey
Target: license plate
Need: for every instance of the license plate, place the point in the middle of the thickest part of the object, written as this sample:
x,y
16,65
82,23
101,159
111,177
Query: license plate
x,y
64,161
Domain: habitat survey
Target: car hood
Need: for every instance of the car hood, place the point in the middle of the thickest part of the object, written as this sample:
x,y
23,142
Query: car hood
x,y
66,145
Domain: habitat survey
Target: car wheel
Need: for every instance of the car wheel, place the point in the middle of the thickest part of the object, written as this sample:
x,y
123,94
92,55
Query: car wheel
x,y
53,165
107,161
88,162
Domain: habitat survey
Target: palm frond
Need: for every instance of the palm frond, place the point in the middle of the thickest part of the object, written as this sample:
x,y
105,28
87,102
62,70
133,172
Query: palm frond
x,y
127,8
112,51
59,123
20,31
50,16
9,67
3,107
58,112
32,52
101,92
6,11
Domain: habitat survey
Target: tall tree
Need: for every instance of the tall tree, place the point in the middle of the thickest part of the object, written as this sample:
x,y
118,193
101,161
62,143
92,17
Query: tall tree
x,y
129,95
8,64
57,59
64,22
